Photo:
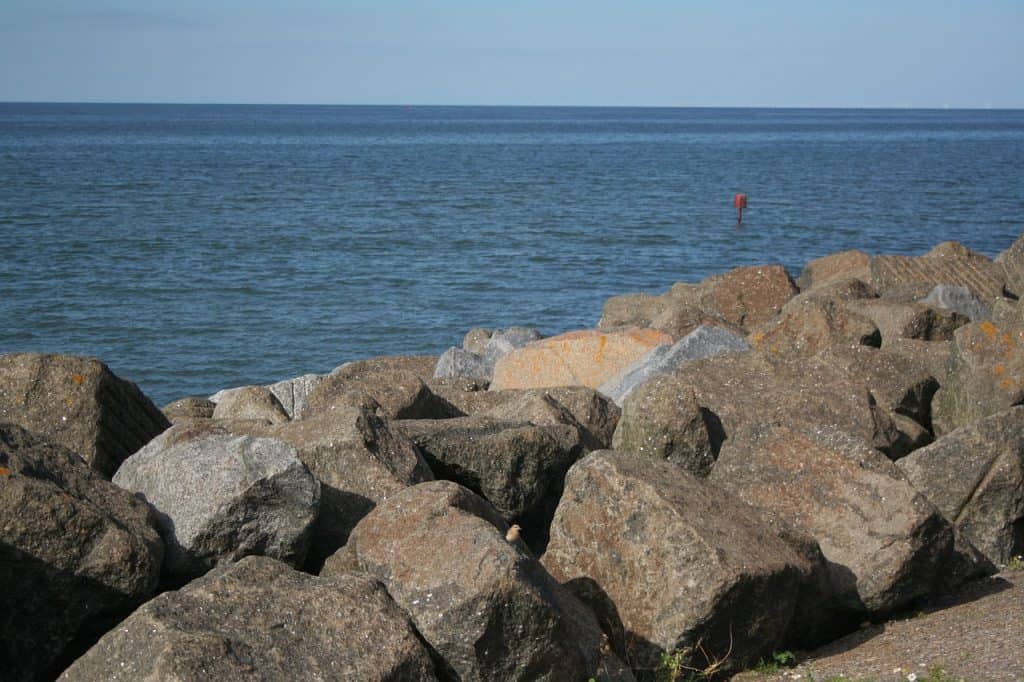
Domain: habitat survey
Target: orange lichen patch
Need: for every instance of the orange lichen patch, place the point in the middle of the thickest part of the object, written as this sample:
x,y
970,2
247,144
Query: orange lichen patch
x,y
1006,384
999,370
78,379
988,329
5,472
602,341
756,338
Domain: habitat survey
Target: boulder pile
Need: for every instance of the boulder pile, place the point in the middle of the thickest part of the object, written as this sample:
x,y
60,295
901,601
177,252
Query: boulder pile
x,y
727,469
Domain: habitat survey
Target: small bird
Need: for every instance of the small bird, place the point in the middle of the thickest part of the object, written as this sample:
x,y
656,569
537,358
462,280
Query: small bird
x,y
513,534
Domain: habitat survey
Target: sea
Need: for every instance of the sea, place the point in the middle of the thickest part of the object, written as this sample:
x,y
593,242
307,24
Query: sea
x,y
197,247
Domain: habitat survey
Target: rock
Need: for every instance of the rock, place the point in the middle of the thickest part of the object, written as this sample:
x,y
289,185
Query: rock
x,y
934,356
811,327
680,321
516,466
630,310
584,358
1011,261
259,619
986,375
975,477
1007,313
456,362
192,407
77,554
219,498
836,266
885,544
78,403
586,409
467,396
958,300
504,341
476,339
687,569
294,393
654,425
249,402
837,291
396,383
359,460
948,263
489,610
909,320
748,296
704,342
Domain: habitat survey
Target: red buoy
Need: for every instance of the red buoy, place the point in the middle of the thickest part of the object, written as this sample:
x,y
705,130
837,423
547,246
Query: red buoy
x,y
740,202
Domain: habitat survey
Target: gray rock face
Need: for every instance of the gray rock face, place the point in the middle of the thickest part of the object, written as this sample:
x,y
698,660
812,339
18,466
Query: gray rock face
x,y
1011,261
77,554
456,362
703,342
219,498
975,477
78,403
684,565
885,544
192,407
249,402
482,603
986,375
294,393
959,300
396,383
516,466
579,406
259,619
475,340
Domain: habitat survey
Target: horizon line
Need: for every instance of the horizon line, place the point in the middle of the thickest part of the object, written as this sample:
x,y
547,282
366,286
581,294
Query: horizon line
x,y
515,106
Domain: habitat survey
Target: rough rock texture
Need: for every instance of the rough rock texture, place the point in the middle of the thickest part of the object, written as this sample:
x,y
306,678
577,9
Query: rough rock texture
x,y
840,290
986,375
249,402
630,310
947,263
1007,313
812,326
456,362
219,498
748,296
78,403
658,425
395,382
482,603
959,300
584,358
934,356
909,320
687,568
828,269
885,544
1011,261
294,393
975,477
77,554
475,340
193,407
704,342
259,619
516,466
748,388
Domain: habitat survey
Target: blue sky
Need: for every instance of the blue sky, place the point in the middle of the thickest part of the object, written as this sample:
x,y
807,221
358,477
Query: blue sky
x,y
864,53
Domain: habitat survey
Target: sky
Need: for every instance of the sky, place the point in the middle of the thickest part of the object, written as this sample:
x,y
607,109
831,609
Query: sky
x,y
782,53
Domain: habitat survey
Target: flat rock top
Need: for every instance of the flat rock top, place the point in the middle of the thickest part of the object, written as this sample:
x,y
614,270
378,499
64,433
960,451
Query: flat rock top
x,y
976,635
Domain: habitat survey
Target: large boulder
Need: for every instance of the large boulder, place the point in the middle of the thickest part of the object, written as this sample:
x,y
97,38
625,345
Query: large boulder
x,y
77,554
219,498
986,375
481,350
516,466
975,477
748,296
886,545
958,300
585,358
909,320
486,607
584,408
833,267
704,342
79,403
811,327
689,570
249,402
259,619
192,407
1011,261
293,393
456,362
948,263
395,382
630,310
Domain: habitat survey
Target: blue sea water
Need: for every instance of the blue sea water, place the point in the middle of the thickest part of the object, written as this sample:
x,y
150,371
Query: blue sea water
x,y
198,247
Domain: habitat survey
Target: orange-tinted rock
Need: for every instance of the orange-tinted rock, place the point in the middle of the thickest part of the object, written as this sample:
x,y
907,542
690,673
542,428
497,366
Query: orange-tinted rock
x,y
581,358
748,296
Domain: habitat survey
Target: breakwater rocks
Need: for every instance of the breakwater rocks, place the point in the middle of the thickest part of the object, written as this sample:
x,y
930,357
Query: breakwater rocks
x,y
713,473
